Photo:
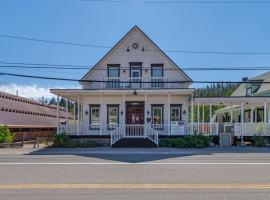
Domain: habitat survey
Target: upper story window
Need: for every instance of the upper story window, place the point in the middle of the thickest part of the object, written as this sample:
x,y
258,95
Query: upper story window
x,y
157,76
157,70
113,76
113,70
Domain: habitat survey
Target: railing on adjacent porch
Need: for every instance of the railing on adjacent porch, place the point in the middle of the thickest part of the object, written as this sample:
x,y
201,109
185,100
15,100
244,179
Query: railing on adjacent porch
x,y
252,129
134,131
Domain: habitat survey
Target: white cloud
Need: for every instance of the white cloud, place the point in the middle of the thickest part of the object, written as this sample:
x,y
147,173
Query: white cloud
x,y
28,91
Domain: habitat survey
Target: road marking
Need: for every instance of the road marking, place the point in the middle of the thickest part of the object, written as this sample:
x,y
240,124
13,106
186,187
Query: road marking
x,y
135,186
139,163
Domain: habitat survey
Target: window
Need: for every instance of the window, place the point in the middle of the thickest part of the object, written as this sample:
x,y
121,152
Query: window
x,y
135,74
157,71
113,71
157,74
157,114
94,116
249,90
176,113
113,76
113,115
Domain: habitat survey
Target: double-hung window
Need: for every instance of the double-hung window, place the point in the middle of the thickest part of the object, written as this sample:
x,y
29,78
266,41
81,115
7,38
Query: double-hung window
x,y
112,116
157,116
94,117
176,113
113,76
157,75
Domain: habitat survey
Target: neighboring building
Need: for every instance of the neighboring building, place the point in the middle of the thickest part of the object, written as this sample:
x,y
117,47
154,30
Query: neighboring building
x,y
253,113
256,86
28,117
137,91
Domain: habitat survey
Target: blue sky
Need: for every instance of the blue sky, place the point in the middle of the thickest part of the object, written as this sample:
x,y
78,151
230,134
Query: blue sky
x,y
207,27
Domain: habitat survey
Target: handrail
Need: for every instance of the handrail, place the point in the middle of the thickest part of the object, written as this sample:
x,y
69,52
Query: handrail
x,y
134,131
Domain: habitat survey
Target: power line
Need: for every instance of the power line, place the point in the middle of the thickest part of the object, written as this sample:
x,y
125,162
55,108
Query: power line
x,y
61,67
108,47
179,2
102,81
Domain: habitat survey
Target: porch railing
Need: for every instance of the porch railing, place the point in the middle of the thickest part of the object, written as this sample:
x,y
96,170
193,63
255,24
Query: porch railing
x,y
252,129
138,130
134,131
137,83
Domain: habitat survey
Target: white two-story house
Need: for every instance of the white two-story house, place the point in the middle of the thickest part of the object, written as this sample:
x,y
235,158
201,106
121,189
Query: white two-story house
x,y
135,90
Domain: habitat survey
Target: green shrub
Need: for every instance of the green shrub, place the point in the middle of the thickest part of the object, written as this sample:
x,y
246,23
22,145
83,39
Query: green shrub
x,y
61,140
189,141
260,141
5,135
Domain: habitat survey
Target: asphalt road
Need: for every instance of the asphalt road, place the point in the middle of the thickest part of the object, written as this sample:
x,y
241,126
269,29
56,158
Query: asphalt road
x,y
135,175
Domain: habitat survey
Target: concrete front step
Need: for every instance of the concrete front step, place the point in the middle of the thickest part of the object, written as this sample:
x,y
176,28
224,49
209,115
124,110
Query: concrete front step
x,y
134,143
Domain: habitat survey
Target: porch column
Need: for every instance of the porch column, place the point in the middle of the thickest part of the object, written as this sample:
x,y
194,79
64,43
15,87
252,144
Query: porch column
x,y
203,113
124,110
231,114
66,111
74,116
78,114
169,114
192,114
242,121
145,108
57,115
268,113
101,114
251,115
210,116
264,117
256,113
198,117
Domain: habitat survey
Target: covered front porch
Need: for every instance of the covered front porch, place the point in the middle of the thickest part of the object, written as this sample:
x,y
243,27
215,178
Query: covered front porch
x,y
240,116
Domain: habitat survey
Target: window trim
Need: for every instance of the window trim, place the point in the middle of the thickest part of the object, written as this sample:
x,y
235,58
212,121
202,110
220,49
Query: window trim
x,y
113,66
160,65
162,115
176,105
135,64
118,114
90,116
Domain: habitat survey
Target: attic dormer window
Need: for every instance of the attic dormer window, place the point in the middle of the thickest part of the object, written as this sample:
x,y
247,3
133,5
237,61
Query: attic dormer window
x,y
249,91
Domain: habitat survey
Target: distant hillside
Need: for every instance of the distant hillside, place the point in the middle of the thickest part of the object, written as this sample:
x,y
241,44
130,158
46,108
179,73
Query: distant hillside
x,y
216,90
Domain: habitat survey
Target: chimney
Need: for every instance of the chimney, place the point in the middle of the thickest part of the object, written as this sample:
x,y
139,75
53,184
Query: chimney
x,y
17,93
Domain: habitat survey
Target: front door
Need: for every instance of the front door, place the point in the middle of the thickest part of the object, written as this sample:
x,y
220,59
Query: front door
x,y
134,118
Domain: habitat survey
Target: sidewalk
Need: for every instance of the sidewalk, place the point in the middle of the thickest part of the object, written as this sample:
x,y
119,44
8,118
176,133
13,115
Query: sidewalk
x,y
28,149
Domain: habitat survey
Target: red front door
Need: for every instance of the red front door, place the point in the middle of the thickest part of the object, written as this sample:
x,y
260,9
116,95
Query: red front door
x,y
134,119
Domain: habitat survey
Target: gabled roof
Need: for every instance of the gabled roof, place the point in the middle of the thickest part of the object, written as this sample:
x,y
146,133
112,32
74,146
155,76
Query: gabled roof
x,y
120,41
262,88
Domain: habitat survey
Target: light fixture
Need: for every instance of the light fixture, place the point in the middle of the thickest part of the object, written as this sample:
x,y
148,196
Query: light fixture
x,y
184,112
148,112
145,71
128,48
124,71
122,112
135,92
86,112
143,48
